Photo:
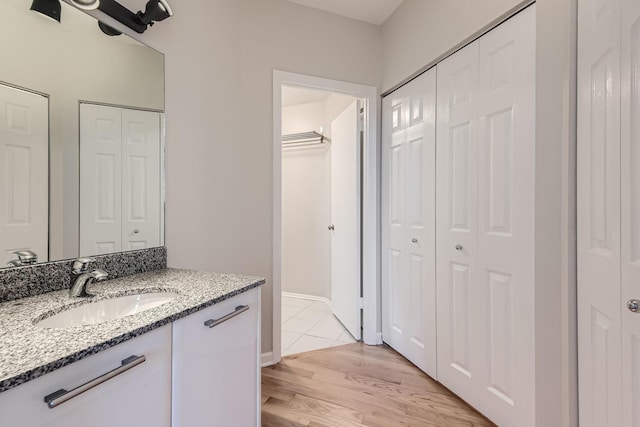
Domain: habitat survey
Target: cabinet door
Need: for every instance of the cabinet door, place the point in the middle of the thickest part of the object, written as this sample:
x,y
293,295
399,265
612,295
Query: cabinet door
x,y
215,369
140,396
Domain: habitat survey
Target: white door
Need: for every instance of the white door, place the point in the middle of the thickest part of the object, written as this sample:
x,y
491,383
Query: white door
x,y
485,222
100,179
598,206
140,179
24,173
630,226
120,189
345,217
408,218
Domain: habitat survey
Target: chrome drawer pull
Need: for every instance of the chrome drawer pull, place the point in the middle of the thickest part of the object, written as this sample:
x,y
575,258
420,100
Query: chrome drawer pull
x,y
59,397
215,322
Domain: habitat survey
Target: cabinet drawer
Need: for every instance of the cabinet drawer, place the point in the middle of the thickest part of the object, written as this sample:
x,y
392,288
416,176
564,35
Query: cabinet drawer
x,y
140,396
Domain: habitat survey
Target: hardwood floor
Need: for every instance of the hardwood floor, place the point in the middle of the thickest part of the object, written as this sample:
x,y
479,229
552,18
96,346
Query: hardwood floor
x,y
358,385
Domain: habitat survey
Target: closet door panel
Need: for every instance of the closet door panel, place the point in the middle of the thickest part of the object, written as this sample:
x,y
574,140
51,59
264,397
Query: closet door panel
x,y
506,206
456,213
598,206
408,188
630,203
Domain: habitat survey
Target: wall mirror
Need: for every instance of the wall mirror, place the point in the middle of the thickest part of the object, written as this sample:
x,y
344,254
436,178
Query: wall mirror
x,y
81,137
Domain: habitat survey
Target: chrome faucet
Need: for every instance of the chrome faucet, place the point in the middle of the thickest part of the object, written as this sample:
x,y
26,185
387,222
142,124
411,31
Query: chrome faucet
x,y
81,278
25,257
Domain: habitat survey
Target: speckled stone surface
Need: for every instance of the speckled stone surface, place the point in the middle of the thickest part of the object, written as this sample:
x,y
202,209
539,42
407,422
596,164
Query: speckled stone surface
x,y
22,282
28,351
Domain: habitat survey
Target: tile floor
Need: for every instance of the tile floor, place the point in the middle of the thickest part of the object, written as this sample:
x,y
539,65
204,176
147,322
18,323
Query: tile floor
x,y
310,325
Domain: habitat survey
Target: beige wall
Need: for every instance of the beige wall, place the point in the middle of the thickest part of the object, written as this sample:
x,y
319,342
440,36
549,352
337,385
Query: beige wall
x,y
419,31
220,57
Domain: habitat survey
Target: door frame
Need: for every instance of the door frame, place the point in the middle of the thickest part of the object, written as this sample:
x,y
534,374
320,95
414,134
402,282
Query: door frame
x,y
371,333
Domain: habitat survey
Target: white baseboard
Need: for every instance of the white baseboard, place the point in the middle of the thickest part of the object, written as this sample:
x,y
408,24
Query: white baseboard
x,y
307,297
379,338
266,359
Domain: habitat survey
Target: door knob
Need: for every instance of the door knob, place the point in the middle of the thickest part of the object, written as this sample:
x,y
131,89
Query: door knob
x,y
458,247
633,305
331,227
136,231
414,240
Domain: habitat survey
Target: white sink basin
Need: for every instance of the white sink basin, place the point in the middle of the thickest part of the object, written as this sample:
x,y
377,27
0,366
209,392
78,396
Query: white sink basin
x,y
107,309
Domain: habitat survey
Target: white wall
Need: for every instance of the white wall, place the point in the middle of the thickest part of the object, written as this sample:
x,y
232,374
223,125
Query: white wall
x,y
220,56
306,199
419,31
306,205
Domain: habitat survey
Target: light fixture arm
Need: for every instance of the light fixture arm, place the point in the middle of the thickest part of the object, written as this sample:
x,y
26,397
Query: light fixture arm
x,y
122,15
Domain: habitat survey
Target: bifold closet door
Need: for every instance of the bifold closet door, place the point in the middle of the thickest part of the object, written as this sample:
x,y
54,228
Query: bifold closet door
x,y
408,194
485,222
120,177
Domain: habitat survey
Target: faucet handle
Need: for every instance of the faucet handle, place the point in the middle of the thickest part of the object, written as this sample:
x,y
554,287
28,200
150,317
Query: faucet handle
x,y
81,265
26,257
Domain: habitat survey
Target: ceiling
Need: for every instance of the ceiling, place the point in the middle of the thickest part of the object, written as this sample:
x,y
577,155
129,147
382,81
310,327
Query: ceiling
x,y
296,96
372,11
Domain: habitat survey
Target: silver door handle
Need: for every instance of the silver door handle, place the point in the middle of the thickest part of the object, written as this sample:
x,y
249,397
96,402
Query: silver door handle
x,y
633,305
331,227
414,240
212,323
458,247
59,397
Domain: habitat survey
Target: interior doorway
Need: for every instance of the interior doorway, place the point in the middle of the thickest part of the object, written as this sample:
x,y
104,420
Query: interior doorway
x,y
321,207
325,221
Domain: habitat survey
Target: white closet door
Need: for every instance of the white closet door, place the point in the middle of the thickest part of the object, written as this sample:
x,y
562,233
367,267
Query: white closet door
x,y
506,207
24,173
598,206
485,217
140,179
630,226
100,179
408,194
345,216
459,333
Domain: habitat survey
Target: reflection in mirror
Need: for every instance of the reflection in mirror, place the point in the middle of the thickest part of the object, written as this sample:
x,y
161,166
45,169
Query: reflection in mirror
x,y
51,72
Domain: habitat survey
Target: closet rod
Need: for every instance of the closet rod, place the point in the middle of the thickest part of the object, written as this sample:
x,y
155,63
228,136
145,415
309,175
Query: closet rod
x,y
304,139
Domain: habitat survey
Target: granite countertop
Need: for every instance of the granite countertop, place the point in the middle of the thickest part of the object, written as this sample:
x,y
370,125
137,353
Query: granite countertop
x,y
28,351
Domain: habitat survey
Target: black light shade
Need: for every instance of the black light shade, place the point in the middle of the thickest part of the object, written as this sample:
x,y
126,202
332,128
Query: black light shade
x,y
155,10
86,4
47,8
108,29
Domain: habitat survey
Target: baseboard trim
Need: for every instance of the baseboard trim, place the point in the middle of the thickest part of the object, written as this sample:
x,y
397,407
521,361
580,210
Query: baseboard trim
x,y
266,359
379,338
307,297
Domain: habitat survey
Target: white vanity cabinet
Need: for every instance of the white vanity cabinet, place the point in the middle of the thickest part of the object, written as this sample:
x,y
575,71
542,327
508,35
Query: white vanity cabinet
x,y
138,396
216,365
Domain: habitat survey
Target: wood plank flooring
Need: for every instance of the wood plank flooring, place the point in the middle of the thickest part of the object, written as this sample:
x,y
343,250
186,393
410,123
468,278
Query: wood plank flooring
x,y
358,385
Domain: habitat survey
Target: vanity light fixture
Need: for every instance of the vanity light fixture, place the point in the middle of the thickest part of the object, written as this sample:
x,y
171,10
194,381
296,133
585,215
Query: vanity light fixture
x,y
50,9
155,10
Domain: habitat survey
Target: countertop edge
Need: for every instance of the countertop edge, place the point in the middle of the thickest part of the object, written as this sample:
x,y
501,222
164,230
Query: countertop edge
x,y
32,374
